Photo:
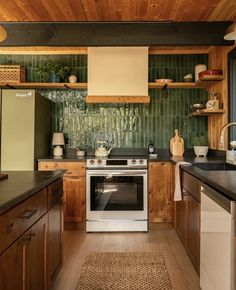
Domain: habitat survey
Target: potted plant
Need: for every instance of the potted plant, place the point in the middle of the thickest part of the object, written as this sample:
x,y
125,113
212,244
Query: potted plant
x,y
200,146
53,72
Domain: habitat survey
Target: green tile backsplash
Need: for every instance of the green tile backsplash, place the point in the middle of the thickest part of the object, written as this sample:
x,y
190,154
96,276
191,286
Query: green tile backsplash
x,y
124,125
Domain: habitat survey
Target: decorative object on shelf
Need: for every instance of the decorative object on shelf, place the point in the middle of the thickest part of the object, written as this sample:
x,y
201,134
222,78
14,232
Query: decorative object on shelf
x,y
3,33
210,72
199,68
213,102
58,141
80,153
12,74
188,78
163,81
53,72
200,146
177,145
197,107
72,79
230,33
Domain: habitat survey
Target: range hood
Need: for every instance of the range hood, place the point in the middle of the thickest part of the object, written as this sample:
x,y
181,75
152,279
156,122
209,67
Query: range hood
x,y
118,74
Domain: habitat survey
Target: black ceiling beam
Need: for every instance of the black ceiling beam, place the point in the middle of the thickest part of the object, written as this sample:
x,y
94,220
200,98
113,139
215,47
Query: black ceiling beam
x,y
115,33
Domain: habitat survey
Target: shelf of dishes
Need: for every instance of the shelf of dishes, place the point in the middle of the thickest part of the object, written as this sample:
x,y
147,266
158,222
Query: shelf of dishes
x,y
44,85
208,112
205,81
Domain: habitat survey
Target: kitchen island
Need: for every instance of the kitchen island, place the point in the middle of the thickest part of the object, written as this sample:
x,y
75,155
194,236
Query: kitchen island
x,y
31,223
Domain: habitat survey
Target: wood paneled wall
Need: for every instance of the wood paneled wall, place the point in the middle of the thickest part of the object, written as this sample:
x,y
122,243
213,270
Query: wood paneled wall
x,y
218,59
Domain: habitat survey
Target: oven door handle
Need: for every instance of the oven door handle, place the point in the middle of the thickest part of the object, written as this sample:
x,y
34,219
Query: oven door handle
x,y
127,173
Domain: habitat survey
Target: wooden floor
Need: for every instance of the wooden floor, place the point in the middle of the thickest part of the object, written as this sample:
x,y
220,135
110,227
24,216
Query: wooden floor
x,y
78,243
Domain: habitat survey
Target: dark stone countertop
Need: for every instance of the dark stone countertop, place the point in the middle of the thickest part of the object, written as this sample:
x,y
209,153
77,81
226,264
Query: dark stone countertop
x,y
20,185
222,181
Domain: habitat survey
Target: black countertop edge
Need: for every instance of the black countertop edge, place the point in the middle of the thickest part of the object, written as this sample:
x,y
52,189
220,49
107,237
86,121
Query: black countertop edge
x,y
221,181
21,196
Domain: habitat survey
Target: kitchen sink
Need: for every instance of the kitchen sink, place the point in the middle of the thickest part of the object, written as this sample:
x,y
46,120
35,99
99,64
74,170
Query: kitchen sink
x,y
215,166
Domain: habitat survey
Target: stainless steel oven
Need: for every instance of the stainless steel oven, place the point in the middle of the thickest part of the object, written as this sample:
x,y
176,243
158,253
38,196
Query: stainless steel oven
x,y
117,196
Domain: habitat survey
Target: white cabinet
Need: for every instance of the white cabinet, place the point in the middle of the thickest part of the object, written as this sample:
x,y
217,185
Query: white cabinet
x,y
217,247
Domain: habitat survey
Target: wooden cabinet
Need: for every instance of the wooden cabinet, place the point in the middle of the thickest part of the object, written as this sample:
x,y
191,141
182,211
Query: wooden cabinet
x,y
193,229
188,217
160,191
23,264
73,185
31,241
181,218
55,230
74,207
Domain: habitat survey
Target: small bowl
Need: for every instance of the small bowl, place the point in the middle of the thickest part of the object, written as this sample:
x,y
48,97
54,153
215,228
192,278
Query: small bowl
x,y
80,153
189,80
163,81
197,107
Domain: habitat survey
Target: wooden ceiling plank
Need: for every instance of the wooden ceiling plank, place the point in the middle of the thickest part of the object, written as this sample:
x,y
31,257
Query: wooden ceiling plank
x,y
90,10
103,10
54,11
205,9
74,10
33,10
142,10
154,10
166,9
12,11
115,7
129,9
225,9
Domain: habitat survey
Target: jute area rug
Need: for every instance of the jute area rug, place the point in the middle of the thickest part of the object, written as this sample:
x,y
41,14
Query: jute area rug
x,y
138,270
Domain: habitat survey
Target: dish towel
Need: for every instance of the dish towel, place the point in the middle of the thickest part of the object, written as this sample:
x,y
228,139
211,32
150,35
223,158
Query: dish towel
x,y
178,192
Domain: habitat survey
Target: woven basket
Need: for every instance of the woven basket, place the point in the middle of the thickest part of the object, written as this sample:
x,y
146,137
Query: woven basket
x,y
12,74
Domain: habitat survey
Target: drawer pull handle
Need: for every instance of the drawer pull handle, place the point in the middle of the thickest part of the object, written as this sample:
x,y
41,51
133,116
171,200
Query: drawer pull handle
x,y
28,214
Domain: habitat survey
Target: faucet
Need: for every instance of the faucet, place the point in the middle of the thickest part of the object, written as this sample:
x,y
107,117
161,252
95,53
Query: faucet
x,y
221,143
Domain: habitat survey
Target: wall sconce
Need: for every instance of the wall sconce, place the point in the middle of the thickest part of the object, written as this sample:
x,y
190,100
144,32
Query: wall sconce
x,y
58,141
3,33
230,32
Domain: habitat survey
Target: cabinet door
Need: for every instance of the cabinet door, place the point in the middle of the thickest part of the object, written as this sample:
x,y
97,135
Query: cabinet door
x,y
74,193
13,267
193,227
55,230
160,192
36,255
181,218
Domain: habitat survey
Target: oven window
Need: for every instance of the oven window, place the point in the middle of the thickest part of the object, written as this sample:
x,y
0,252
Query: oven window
x,y
116,193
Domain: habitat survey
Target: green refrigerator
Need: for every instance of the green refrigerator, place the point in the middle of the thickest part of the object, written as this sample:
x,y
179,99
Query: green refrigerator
x,y
25,129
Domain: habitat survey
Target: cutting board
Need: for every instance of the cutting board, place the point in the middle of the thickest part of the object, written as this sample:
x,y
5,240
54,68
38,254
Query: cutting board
x,y
177,145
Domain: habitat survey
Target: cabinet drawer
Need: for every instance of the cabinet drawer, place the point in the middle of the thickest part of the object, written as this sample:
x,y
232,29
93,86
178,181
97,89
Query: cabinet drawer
x,y
191,184
17,220
72,168
55,192
51,166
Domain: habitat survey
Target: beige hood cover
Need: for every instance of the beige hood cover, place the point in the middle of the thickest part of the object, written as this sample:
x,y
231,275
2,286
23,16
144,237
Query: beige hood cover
x,y
118,74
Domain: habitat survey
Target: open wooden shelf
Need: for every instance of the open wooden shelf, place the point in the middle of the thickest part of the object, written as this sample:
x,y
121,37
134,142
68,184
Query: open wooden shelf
x,y
44,85
203,83
208,81
208,112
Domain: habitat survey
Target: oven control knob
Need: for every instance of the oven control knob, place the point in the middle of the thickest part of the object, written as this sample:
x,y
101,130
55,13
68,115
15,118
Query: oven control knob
x,y
99,161
91,161
134,161
141,161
